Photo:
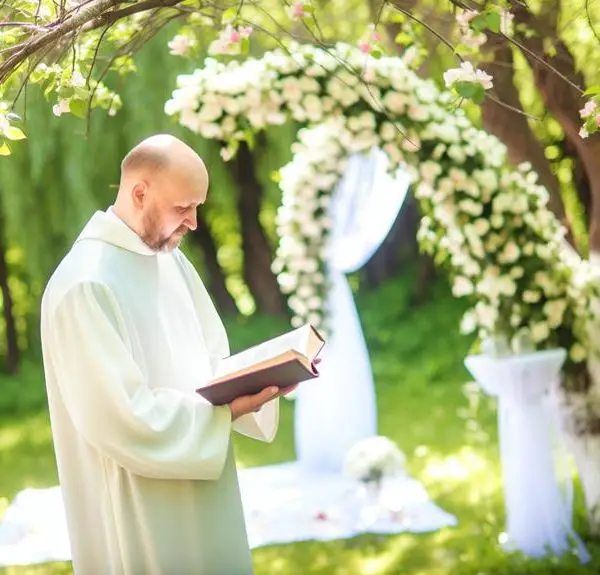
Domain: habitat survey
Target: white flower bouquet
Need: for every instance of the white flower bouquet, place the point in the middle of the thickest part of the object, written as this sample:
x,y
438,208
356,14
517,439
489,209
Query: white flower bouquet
x,y
373,459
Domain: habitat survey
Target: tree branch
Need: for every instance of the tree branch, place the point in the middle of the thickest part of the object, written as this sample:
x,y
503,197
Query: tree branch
x,y
21,52
113,16
398,5
84,18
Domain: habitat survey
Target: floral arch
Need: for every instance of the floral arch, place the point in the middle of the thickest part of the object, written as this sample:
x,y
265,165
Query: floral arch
x,y
484,220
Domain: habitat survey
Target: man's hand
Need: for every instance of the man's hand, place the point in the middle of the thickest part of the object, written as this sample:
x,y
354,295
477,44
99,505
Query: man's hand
x,y
251,403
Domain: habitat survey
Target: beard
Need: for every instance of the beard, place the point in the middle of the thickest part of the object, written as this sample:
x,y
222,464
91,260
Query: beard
x,y
154,238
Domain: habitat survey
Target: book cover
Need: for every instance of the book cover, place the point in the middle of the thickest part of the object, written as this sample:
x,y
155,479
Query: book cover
x,y
282,361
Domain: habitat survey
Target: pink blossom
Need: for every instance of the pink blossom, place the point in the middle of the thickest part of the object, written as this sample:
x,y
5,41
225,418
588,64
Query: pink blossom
x,y
63,107
229,40
588,109
597,120
369,40
298,9
180,45
465,17
234,35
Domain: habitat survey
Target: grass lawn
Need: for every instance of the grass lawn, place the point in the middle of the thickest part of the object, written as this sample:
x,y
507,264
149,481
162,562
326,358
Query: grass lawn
x,y
446,428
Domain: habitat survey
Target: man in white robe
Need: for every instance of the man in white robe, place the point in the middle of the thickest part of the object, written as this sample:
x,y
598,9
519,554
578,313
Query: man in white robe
x,y
129,332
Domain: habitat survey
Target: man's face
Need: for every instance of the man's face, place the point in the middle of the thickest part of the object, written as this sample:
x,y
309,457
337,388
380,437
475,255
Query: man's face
x,y
169,211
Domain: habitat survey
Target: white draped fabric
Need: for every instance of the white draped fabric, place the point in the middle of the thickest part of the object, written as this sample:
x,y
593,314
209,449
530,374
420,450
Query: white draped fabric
x,y
281,505
538,510
341,410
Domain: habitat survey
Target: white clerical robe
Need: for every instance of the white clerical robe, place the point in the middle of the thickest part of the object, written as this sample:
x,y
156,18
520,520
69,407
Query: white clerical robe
x,y
146,465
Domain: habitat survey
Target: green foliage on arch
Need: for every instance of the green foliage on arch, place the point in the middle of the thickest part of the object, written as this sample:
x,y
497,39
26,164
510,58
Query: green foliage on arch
x,y
487,222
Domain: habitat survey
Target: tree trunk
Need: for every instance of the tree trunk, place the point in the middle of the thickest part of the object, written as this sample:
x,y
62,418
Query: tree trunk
x,y
217,285
580,179
562,99
12,344
257,273
426,275
384,262
511,127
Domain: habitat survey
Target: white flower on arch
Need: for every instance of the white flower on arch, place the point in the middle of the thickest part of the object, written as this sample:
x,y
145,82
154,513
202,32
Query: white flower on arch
x,y
486,221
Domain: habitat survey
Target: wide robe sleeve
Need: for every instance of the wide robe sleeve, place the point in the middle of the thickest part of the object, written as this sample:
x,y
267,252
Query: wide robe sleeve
x,y
261,425
159,433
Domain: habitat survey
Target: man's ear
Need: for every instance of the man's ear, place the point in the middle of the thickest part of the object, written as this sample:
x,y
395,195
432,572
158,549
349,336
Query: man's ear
x,y
139,194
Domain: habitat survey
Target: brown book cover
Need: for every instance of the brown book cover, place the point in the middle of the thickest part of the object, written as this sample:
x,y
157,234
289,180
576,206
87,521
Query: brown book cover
x,y
282,370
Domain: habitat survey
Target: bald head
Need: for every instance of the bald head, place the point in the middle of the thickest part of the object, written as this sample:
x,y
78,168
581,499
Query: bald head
x,y
160,153
163,181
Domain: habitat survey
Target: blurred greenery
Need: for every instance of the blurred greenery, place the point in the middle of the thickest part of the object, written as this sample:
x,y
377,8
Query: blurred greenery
x,y
443,424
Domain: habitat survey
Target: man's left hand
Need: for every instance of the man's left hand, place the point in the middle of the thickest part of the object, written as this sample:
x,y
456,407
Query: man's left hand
x,y
286,390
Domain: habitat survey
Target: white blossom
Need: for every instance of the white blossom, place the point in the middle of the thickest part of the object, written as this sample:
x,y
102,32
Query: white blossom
x,y
462,286
489,221
181,44
466,73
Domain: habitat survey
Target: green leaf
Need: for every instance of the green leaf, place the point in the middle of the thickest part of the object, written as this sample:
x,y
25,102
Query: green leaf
x,y
403,39
78,108
81,93
245,45
65,92
397,18
49,87
309,9
464,50
479,23
593,91
4,149
249,137
549,47
494,21
479,96
229,15
465,89
471,91
376,53
14,133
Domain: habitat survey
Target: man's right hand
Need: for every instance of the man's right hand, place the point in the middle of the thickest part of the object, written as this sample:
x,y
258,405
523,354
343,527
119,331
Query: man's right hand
x,y
250,403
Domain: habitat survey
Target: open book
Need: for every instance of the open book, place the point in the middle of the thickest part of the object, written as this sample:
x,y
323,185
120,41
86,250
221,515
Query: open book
x,y
282,361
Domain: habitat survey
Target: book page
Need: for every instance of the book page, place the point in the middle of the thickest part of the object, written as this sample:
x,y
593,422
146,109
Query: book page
x,y
314,344
297,339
